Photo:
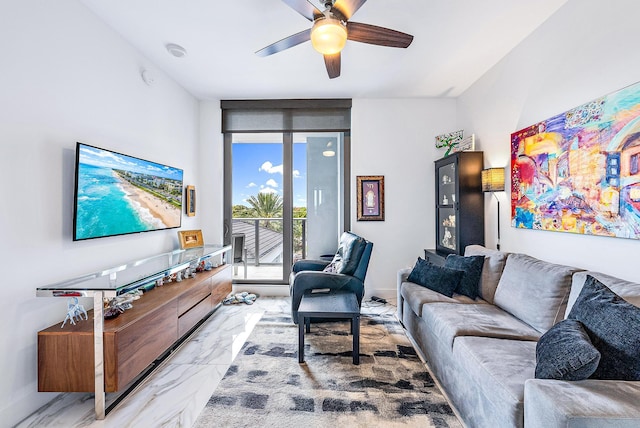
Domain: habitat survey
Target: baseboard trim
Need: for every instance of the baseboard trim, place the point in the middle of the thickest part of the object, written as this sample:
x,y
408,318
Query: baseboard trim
x,y
271,290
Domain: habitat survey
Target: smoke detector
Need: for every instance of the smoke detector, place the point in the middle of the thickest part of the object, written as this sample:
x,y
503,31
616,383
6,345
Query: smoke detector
x,y
176,50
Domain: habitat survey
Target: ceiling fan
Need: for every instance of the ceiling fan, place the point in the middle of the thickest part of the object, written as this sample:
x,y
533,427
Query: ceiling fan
x,y
331,29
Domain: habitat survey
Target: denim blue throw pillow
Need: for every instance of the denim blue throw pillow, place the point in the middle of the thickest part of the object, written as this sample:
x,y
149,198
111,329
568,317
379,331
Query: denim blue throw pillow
x,y
613,325
472,268
565,352
436,278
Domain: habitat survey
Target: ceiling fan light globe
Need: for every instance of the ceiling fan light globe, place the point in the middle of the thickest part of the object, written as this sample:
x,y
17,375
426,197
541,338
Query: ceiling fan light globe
x,y
328,36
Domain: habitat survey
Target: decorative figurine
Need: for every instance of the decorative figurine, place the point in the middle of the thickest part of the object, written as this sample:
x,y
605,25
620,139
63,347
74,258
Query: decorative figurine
x,y
446,239
179,277
445,201
74,309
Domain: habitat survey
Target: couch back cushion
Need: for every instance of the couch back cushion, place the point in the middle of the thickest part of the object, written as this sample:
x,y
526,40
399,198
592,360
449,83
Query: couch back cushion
x,y
534,291
491,270
629,291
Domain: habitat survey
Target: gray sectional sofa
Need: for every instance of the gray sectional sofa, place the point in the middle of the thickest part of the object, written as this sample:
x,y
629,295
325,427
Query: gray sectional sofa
x,y
483,351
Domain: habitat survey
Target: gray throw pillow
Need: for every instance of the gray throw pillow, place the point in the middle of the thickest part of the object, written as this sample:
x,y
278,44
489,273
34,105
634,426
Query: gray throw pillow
x,y
331,267
613,325
472,268
437,278
565,352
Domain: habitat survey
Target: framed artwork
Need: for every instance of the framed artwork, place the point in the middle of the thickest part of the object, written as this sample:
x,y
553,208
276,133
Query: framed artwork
x,y
190,238
450,141
370,197
191,201
579,171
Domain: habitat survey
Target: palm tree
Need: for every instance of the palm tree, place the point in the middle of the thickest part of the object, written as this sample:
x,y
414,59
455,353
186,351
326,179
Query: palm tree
x,y
266,205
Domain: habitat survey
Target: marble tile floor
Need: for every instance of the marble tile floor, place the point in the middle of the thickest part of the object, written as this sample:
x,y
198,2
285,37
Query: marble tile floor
x,y
175,394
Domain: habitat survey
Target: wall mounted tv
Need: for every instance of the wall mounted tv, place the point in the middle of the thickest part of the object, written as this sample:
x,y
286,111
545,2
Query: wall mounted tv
x,y
116,194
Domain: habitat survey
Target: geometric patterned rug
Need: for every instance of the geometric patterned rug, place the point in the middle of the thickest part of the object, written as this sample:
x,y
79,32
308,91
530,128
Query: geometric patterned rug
x,y
266,387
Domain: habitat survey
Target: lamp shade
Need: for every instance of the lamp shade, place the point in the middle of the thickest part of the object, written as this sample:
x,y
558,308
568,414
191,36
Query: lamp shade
x,y
328,36
493,180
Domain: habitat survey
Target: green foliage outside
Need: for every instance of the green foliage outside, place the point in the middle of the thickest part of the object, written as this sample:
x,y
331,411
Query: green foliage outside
x,y
269,205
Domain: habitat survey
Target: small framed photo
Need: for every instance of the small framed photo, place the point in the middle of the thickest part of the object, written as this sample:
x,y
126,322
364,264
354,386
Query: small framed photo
x,y
370,197
190,238
191,201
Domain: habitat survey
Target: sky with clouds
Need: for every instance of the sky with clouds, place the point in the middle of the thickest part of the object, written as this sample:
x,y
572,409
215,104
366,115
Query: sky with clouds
x,y
95,156
257,167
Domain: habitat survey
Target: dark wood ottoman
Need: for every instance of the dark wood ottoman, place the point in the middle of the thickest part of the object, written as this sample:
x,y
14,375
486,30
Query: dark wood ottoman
x,y
340,305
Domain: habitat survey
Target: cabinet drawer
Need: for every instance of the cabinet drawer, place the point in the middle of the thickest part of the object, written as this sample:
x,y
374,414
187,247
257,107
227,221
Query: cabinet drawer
x,y
195,294
132,349
192,316
65,361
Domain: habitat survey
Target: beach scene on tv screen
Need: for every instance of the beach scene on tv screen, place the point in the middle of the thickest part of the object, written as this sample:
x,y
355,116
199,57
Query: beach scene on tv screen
x,y
119,194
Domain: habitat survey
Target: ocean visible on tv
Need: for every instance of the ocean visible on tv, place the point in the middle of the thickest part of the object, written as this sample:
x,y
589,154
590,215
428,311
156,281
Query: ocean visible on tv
x,y
107,204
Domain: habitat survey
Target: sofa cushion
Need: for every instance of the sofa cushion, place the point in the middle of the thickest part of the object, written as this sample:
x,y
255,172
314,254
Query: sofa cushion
x,y
491,271
588,404
565,352
472,268
450,320
534,290
613,325
629,291
417,296
496,370
437,278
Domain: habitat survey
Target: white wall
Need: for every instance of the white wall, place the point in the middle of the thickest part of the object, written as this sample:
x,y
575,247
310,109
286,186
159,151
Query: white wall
x,y
210,196
395,138
66,77
586,50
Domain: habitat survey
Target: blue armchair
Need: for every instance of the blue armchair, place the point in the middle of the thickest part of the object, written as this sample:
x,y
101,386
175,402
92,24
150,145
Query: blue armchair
x,y
345,272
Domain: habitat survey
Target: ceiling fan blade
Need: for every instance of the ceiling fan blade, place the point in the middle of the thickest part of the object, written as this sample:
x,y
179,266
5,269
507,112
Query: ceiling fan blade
x,y
374,35
286,43
333,65
304,8
347,7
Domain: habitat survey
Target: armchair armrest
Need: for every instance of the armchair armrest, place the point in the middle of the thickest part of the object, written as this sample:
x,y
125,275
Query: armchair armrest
x,y
313,265
585,403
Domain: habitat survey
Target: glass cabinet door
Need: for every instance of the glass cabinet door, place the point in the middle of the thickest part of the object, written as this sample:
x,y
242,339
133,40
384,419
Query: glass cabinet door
x,y
446,212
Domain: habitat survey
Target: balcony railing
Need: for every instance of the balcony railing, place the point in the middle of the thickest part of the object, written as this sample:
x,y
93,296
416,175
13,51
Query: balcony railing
x,y
264,238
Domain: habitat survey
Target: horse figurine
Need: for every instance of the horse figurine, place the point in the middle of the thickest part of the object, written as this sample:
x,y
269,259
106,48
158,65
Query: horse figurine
x,y
75,309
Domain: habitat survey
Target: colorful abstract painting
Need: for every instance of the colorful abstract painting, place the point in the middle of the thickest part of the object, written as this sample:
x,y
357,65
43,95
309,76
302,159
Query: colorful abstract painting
x,y
579,171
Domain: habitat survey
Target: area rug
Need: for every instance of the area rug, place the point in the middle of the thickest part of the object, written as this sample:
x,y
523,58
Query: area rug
x,y
267,387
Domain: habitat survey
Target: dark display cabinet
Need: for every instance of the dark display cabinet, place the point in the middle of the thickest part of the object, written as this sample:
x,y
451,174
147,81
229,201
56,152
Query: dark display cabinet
x,y
459,202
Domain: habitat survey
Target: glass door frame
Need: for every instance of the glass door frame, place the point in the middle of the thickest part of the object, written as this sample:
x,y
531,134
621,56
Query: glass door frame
x,y
287,193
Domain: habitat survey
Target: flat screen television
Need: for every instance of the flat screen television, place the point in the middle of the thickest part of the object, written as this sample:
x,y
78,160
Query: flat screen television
x,y
116,194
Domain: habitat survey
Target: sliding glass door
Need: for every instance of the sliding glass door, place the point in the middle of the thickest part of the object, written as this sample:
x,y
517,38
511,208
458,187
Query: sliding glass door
x,y
285,195
286,199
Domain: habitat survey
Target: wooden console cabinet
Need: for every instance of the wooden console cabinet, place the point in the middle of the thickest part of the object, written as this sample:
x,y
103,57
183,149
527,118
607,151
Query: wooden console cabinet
x,y
133,340
110,354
